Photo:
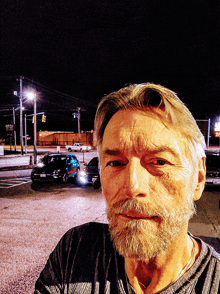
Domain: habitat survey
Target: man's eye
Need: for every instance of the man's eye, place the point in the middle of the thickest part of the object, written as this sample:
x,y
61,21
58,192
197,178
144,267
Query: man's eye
x,y
115,163
159,162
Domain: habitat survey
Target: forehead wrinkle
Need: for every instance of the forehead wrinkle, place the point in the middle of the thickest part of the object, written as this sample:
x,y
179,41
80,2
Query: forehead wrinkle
x,y
138,139
140,143
143,142
126,144
132,139
131,135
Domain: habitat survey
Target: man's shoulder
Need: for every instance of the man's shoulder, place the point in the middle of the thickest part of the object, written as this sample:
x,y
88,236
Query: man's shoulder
x,y
210,244
90,227
89,232
82,244
216,255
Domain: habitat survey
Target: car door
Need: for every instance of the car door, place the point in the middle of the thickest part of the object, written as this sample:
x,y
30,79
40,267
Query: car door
x,y
68,165
75,164
72,166
92,169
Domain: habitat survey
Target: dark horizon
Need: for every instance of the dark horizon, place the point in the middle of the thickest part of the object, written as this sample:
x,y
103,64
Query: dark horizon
x,y
88,49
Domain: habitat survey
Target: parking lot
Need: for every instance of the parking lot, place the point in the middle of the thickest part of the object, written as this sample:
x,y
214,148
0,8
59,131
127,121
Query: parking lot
x,y
35,216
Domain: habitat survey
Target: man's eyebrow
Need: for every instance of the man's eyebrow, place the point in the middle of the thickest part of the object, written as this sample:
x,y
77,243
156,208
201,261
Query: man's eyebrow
x,y
161,149
109,151
117,151
164,149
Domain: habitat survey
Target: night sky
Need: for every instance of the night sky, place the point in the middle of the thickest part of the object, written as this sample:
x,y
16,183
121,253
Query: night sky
x,y
86,49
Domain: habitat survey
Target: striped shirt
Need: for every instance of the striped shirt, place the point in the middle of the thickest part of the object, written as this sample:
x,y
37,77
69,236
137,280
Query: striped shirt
x,y
85,262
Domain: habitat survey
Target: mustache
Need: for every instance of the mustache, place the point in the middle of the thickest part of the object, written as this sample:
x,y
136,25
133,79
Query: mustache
x,y
133,205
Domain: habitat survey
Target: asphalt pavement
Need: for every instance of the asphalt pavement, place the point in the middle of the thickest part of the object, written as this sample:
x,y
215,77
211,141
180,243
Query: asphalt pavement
x,y
205,224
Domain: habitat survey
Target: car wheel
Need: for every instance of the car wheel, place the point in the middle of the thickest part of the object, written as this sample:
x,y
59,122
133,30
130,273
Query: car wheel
x,y
65,178
97,183
69,149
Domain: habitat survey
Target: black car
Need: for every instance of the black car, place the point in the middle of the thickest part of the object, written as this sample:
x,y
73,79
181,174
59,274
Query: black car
x,y
56,167
212,167
90,174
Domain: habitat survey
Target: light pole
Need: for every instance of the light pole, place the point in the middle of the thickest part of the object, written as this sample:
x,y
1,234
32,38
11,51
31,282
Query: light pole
x,y
217,130
35,130
79,131
32,96
21,123
14,128
77,115
25,132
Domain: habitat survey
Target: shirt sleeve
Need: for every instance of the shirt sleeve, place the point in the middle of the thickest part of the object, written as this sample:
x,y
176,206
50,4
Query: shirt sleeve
x,y
52,277
84,261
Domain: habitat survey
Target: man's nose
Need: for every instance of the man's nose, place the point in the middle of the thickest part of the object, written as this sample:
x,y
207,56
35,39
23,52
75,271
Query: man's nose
x,y
137,177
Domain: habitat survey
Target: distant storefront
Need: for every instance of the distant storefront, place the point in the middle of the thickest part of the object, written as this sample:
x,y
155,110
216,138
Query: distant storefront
x,y
49,138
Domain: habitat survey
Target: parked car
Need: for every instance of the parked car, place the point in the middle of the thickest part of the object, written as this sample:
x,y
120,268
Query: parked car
x,y
212,167
56,166
212,152
78,147
90,174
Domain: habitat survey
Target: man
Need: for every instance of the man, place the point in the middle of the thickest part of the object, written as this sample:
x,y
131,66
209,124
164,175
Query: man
x,y
152,169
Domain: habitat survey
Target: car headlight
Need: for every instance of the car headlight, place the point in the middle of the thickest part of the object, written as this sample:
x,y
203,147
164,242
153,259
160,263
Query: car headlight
x,y
56,173
82,173
40,164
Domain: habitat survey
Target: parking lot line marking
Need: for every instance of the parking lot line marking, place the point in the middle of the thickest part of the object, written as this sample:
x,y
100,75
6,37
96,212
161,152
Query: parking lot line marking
x,y
6,183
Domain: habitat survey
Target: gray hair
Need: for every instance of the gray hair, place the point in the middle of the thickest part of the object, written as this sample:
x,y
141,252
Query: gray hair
x,y
149,97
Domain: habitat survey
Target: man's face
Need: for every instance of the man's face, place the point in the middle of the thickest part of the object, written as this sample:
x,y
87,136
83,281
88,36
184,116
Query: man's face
x,y
149,182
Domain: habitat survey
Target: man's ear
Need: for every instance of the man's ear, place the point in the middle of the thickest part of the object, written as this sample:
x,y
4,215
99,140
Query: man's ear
x,y
201,179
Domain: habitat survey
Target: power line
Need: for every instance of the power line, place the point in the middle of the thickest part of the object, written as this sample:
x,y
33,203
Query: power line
x,y
62,94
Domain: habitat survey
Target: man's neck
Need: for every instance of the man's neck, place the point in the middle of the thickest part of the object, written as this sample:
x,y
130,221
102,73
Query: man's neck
x,y
155,275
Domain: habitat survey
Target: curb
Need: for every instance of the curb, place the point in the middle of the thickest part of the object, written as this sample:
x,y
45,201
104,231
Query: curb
x,y
18,167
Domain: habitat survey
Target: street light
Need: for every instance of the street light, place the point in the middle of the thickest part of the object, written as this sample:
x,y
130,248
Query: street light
x,y
32,96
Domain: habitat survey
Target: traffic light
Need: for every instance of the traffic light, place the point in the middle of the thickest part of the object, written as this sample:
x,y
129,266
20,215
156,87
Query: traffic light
x,y
44,118
75,115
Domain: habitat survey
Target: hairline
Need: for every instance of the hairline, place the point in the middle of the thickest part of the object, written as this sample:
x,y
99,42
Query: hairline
x,y
169,116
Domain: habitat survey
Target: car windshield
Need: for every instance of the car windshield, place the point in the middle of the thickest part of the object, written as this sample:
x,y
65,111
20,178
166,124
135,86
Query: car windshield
x,y
93,162
50,159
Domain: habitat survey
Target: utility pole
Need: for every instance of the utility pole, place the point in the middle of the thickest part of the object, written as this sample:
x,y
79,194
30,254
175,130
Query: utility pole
x,y
21,123
14,128
25,132
208,135
35,129
79,132
77,115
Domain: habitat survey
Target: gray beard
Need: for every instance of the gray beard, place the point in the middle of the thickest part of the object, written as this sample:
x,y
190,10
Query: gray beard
x,y
135,239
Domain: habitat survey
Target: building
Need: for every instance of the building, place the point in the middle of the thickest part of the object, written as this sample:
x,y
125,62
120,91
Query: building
x,y
59,138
